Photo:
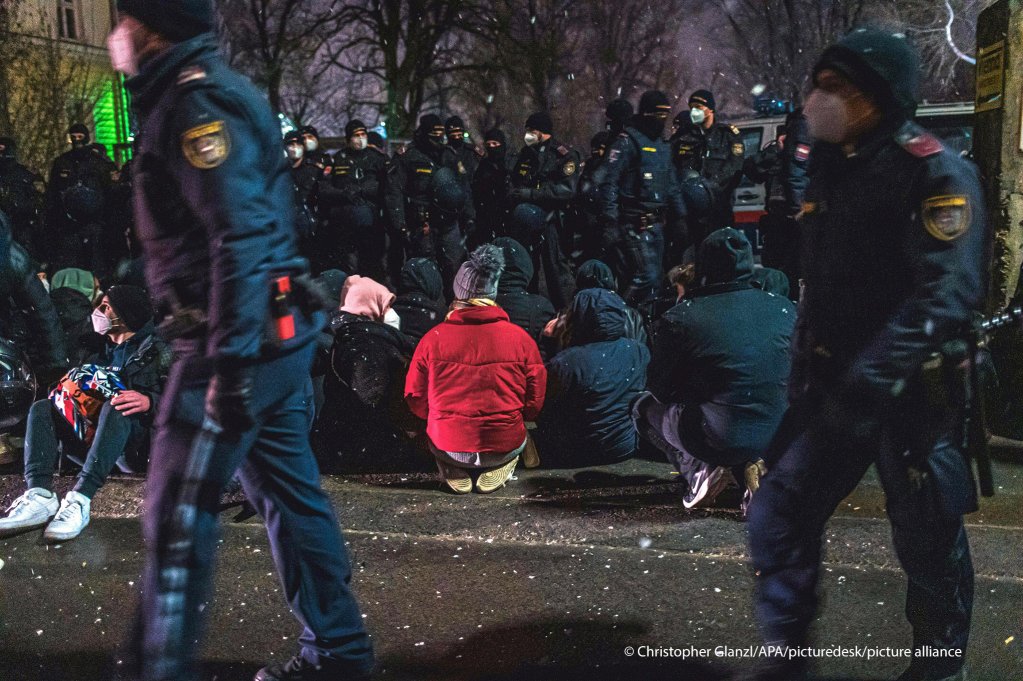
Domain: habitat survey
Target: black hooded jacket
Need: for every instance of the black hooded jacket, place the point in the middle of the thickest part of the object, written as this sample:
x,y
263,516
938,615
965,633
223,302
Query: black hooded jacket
x,y
528,310
596,274
591,385
724,354
420,301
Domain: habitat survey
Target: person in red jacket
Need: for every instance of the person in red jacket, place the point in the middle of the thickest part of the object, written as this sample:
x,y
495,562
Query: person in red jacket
x,y
476,379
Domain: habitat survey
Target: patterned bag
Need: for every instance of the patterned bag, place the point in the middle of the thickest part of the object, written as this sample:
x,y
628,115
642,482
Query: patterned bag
x,y
81,394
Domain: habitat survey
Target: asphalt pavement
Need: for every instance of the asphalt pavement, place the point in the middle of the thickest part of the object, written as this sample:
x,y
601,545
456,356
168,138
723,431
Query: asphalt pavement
x,y
593,574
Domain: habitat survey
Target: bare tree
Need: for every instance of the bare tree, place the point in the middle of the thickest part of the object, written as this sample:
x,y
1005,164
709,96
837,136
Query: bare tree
x,y
53,83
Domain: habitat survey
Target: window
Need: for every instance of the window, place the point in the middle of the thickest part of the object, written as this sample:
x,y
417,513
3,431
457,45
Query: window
x,y
67,19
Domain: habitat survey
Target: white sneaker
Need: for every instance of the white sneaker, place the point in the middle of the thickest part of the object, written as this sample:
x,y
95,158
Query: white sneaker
x,y
32,509
706,484
71,519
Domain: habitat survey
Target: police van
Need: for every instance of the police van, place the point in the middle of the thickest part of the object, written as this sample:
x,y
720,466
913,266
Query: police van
x,y
952,122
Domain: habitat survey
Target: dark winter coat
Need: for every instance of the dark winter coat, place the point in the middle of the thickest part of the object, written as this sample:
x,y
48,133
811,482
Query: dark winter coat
x,y
528,310
724,354
591,385
364,386
596,274
420,301
74,310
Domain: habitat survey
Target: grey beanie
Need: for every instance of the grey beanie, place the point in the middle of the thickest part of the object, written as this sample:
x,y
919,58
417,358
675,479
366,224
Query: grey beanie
x,y
478,276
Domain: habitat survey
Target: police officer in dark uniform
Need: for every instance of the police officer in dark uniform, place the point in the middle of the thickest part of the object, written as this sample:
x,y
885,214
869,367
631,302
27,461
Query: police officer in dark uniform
x,y
585,214
638,193
781,166
76,197
214,205
894,236
429,170
307,184
359,177
712,150
545,175
19,198
468,154
490,186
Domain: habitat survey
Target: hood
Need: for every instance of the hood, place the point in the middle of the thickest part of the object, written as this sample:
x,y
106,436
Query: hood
x,y
771,280
420,275
518,267
365,297
74,279
597,315
725,255
595,274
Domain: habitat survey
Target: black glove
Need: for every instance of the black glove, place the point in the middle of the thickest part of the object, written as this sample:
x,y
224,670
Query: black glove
x,y
229,399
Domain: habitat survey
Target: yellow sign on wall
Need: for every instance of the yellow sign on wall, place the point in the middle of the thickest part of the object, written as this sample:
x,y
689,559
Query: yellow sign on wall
x,y
990,77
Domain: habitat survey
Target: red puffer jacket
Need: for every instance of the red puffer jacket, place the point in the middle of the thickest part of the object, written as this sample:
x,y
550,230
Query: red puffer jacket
x,y
476,378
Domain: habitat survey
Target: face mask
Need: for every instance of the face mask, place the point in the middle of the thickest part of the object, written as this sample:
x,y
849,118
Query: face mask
x,y
295,152
359,143
311,145
122,51
697,116
827,117
530,139
100,322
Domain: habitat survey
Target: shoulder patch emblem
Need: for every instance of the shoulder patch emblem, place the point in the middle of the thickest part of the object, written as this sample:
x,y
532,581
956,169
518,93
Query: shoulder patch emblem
x,y
568,168
206,146
947,218
802,152
738,149
563,150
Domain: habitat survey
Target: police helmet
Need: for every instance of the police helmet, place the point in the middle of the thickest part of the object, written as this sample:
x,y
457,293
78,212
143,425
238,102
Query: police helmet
x,y
17,384
82,203
698,198
448,192
357,218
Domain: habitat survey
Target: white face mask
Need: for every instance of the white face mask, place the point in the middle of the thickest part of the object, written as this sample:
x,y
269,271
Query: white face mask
x,y
311,145
294,152
697,115
530,139
827,116
100,322
359,143
122,51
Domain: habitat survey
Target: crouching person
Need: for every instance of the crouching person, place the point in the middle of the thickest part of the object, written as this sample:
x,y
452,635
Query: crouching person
x,y
591,385
99,413
718,374
476,379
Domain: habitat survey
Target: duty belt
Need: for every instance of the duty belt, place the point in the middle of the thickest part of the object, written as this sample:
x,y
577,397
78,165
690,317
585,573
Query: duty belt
x,y
643,221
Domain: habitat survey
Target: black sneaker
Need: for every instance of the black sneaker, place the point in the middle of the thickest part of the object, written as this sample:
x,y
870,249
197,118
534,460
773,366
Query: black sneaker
x,y
300,669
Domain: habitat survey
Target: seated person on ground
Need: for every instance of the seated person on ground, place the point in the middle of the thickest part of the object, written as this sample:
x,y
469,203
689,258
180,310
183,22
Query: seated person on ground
x,y
718,373
531,311
364,411
591,385
476,379
420,302
104,409
75,293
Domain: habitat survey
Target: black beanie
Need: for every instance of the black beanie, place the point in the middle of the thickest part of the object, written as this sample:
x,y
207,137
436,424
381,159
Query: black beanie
x,y
131,304
541,121
454,123
705,97
376,139
175,20
881,64
354,126
79,129
619,111
293,136
495,135
309,130
654,102
429,124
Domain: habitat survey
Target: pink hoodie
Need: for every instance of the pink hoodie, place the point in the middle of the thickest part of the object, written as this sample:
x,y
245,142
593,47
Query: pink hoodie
x,y
365,297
